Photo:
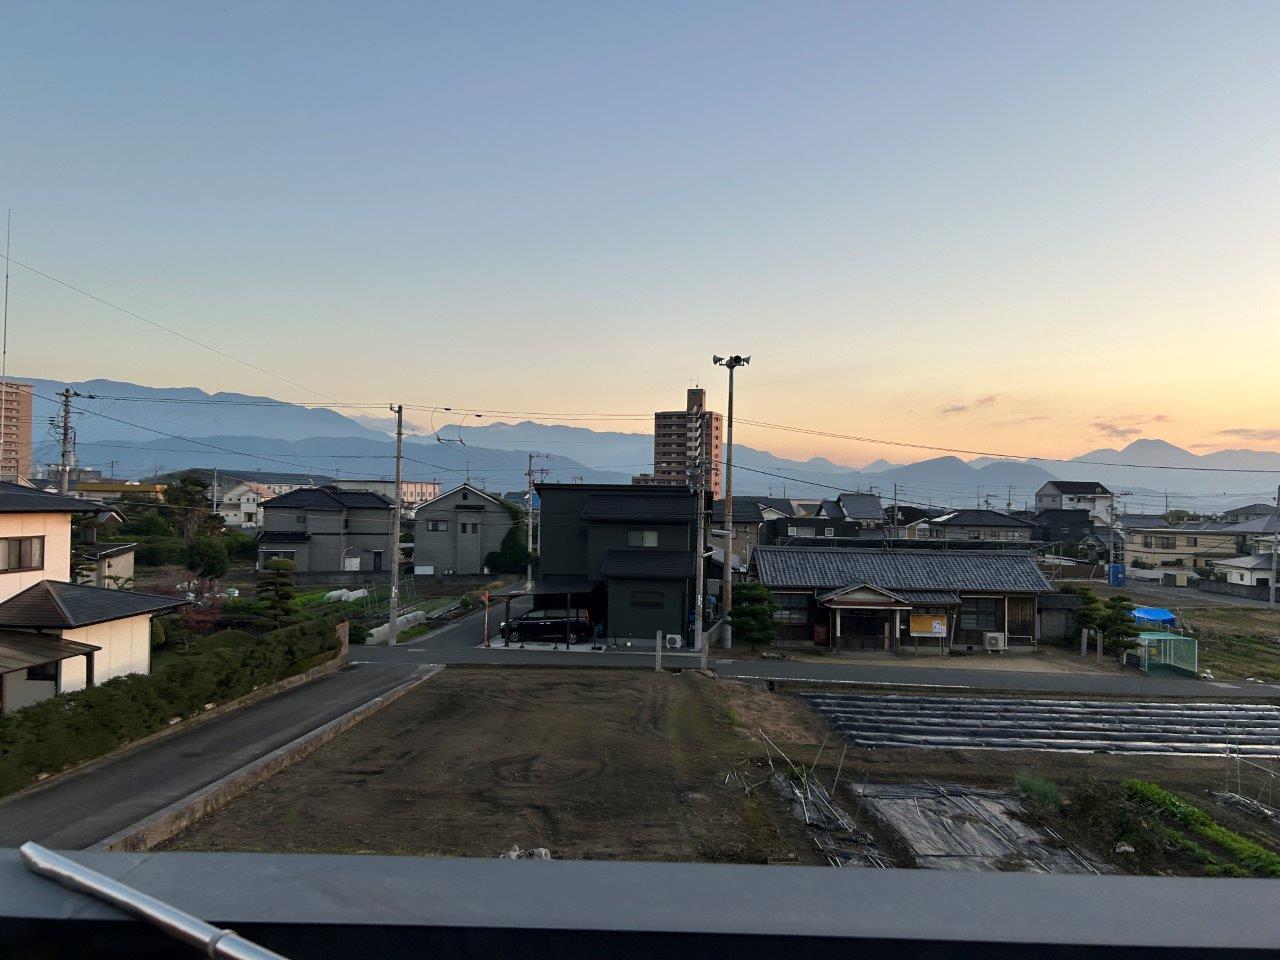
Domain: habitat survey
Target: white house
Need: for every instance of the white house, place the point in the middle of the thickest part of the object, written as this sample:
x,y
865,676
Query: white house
x,y
241,506
57,636
1076,495
1251,571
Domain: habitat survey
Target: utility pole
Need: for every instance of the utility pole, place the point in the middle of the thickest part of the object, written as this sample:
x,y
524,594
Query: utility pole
x,y
894,520
726,632
393,598
699,549
528,520
68,442
213,492
1275,548
4,356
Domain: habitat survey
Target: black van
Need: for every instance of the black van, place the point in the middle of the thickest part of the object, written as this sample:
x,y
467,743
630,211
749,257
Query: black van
x,y
548,625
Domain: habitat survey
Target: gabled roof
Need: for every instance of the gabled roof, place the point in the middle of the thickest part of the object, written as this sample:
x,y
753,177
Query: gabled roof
x,y
1087,488
434,502
1257,509
842,591
745,510
978,518
16,498
52,603
1256,525
780,504
828,510
897,570
648,564
1059,516
329,498
861,506
1142,521
101,551
639,507
1256,561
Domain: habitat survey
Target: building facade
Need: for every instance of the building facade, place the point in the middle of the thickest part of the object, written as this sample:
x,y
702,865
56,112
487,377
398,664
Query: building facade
x,y
682,436
455,532
623,552
15,437
902,600
1076,495
976,525
1194,546
241,505
413,493
57,636
324,529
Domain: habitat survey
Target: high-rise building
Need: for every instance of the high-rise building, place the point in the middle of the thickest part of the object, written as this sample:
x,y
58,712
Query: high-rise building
x,y
682,436
15,436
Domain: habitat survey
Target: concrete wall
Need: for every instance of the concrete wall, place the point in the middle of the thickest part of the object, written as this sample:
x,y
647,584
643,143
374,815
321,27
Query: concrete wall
x,y
126,648
20,692
56,530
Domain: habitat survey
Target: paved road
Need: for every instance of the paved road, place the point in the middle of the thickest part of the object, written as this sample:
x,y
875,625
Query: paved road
x,y
460,643
81,808
1158,595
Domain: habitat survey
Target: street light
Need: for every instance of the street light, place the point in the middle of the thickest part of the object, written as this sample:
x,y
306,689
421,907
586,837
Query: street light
x,y
731,363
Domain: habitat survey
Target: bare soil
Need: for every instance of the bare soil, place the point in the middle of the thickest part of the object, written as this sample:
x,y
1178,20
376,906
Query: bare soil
x,y
592,764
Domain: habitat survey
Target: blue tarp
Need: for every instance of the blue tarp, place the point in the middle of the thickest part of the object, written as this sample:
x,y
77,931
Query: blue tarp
x,y
1153,615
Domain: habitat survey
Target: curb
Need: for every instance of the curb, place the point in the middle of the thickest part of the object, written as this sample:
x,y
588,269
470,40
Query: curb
x,y
177,816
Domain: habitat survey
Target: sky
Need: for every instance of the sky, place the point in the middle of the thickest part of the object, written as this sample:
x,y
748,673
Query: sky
x,y
1018,227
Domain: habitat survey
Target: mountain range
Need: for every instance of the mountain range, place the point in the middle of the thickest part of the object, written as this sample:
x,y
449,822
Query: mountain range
x,y
133,429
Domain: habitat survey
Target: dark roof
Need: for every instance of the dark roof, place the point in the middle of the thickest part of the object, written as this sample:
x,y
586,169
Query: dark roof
x,y
52,603
21,650
781,504
979,518
284,536
1254,509
861,506
897,570
648,564
101,551
829,510
1256,525
1142,521
1078,487
639,506
745,510
329,498
939,598
16,498
1055,516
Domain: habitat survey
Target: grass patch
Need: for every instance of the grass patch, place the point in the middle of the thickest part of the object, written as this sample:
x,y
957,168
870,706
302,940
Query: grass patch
x,y
1038,790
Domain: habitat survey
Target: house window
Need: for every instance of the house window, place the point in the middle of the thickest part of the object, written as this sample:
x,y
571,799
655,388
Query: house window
x,y
792,608
648,599
1146,542
642,538
45,671
1193,541
437,526
465,495
21,553
300,518
979,613
1167,543
829,532
791,531
975,534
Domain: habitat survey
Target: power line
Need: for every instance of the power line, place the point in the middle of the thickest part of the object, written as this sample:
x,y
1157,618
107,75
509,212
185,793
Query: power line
x,y
170,330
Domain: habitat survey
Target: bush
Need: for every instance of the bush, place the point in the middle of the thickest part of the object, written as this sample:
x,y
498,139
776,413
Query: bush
x,y
73,727
753,610
275,590
208,557
157,633
159,551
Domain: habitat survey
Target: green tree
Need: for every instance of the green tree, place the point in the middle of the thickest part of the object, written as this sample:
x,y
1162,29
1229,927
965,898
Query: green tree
x,y
275,590
188,498
753,610
208,557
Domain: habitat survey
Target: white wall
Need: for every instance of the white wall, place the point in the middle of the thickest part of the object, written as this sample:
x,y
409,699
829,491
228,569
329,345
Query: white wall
x,y
20,692
126,648
56,530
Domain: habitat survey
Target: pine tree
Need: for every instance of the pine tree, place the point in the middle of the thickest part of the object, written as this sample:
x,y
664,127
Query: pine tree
x,y
275,589
753,610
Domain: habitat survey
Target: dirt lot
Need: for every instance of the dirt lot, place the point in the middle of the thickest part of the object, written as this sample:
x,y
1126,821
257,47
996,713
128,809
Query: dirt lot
x,y
591,764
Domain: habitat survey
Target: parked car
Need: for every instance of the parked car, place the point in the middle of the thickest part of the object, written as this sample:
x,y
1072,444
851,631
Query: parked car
x,y
548,625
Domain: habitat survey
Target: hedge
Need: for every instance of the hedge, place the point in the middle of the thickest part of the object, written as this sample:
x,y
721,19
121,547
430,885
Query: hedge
x,y
73,727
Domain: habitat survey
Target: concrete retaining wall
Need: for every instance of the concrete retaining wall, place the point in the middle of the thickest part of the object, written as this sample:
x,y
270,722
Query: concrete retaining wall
x,y
173,819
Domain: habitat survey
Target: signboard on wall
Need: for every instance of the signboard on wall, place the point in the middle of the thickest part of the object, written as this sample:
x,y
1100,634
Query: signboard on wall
x,y
929,625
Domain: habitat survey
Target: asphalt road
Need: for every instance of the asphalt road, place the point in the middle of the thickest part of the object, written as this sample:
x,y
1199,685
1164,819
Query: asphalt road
x,y
1158,595
81,808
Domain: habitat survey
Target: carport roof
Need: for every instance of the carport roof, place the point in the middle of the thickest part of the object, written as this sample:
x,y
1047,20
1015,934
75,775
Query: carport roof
x,y
18,651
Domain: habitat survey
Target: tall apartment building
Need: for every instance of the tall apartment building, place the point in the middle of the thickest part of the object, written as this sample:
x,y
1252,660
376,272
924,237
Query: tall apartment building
x,y
15,440
681,436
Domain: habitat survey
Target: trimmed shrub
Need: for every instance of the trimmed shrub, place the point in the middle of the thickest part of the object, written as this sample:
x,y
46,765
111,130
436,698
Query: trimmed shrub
x,y
73,727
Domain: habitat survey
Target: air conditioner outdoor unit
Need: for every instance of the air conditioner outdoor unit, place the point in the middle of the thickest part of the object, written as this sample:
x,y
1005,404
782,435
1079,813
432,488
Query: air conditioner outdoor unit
x,y
995,641
674,641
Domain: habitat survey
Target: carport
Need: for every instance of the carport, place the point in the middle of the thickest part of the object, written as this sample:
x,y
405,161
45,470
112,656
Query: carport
x,y
571,592
29,667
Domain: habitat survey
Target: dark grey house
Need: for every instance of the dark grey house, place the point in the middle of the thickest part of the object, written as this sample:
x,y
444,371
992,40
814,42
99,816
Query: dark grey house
x,y
624,552
1062,527
453,533
987,525
324,529
902,600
